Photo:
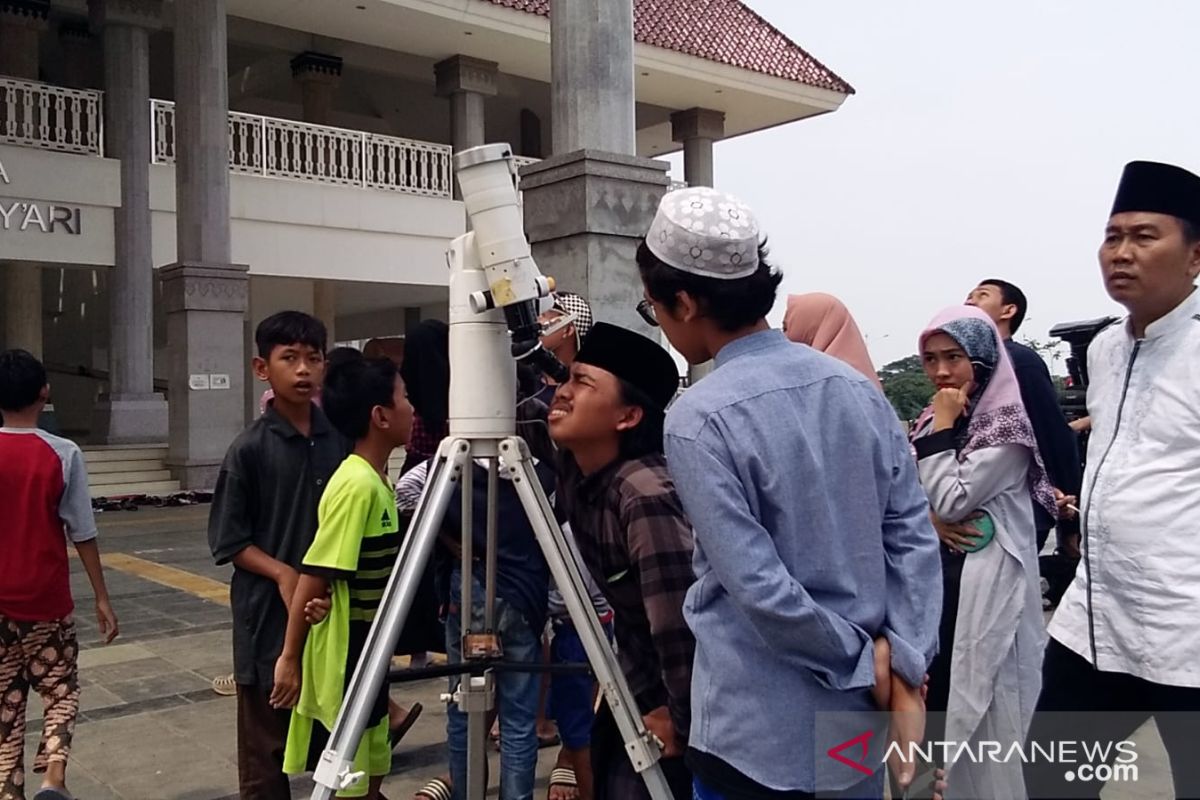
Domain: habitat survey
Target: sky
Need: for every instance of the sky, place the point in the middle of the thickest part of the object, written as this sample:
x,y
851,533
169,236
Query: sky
x,y
983,141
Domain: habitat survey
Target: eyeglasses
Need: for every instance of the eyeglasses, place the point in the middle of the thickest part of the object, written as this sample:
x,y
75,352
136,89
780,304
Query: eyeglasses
x,y
646,309
556,325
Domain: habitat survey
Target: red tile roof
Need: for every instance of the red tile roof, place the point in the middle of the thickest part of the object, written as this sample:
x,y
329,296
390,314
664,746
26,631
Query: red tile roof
x,y
725,31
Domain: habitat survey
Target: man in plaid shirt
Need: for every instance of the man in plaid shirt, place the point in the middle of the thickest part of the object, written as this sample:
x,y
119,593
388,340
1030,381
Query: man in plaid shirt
x,y
633,537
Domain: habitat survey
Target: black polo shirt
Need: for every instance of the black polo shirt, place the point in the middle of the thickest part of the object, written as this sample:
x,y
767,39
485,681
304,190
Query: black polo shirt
x,y
267,494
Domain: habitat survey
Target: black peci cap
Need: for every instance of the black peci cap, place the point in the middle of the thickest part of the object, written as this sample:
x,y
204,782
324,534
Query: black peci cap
x,y
1160,189
633,358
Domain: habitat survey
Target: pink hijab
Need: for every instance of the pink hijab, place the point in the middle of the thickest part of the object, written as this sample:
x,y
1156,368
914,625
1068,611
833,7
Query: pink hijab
x,y
996,415
823,323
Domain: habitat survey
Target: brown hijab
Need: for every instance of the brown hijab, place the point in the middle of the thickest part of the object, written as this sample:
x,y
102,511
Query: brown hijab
x,y
823,323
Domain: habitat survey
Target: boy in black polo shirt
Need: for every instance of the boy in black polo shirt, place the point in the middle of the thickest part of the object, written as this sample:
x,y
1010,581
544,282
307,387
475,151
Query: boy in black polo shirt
x,y
263,519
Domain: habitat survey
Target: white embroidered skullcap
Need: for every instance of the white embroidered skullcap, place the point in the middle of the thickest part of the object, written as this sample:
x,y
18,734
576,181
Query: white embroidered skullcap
x,y
705,232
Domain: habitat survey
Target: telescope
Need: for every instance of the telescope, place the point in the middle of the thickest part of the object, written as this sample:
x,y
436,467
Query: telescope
x,y
496,296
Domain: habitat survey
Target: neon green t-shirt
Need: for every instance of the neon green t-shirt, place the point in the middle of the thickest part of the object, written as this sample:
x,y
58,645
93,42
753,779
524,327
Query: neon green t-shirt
x,y
358,537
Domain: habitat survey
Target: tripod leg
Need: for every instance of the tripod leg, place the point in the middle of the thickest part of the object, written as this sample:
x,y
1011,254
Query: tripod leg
x,y
643,753
334,771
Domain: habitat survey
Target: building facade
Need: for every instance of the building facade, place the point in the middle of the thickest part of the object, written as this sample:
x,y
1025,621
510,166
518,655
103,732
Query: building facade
x,y
173,172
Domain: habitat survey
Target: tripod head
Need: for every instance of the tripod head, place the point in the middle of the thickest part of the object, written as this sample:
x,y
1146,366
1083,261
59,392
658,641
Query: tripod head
x,y
496,296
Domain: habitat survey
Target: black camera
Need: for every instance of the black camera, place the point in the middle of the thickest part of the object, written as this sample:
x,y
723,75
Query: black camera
x,y
1078,335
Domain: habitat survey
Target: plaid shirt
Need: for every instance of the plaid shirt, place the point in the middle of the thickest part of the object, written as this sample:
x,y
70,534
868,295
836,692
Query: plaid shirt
x,y
635,540
424,441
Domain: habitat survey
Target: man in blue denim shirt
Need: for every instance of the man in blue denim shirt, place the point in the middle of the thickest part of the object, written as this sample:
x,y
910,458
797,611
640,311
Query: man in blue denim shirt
x,y
813,543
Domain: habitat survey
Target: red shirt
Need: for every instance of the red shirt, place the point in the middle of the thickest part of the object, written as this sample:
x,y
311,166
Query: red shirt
x,y
43,500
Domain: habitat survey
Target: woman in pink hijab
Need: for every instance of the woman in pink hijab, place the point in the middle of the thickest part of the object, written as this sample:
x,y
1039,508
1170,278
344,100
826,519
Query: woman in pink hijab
x,y
978,462
823,323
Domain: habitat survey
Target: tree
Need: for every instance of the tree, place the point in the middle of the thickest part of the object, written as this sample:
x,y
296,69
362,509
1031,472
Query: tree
x,y
906,387
1049,351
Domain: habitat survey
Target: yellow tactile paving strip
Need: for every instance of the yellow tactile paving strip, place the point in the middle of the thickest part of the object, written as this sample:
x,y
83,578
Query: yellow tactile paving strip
x,y
198,585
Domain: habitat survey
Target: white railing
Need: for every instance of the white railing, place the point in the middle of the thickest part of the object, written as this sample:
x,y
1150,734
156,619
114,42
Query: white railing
x,y
674,185
524,161
37,114
283,148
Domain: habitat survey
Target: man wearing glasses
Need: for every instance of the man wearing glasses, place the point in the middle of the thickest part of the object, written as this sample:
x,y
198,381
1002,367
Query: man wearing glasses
x,y
818,575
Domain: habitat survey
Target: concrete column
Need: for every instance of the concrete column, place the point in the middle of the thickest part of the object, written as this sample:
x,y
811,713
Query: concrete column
x,y
202,131
131,412
589,205
585,215
467,82
21,25
324,307
697,129
205,295
591,76
319,75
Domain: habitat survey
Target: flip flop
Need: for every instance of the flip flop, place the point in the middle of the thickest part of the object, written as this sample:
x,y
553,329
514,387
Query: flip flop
x,y
564,777
436,789
397,733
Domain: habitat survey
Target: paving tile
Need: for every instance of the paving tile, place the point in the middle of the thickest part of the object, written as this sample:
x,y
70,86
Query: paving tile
x,y
95,697
113,654
171,683
138,668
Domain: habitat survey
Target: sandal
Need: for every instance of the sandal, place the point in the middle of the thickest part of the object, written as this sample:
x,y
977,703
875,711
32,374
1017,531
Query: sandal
x,y
397,733
436,789
224,686
565,778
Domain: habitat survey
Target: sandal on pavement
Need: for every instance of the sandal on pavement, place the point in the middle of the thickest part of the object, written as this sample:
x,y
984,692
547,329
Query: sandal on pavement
x,y
397,733
563,777
224,686
436,789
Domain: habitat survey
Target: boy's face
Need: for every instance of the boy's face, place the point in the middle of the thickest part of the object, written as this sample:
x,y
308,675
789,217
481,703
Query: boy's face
x,y
295,372
395,421
588,409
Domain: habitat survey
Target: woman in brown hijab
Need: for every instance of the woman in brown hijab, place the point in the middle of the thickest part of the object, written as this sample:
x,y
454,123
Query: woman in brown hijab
x,y
823,323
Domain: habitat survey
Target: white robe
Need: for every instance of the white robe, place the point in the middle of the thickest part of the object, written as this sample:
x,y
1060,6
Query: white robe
x,y
999,637
1141,505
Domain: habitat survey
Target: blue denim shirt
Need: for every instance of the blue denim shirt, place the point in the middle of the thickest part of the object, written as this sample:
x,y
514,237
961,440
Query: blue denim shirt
x,y
812,538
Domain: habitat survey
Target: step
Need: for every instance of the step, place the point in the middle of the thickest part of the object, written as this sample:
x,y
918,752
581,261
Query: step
x,y
157,488
105,467
99,455
142,476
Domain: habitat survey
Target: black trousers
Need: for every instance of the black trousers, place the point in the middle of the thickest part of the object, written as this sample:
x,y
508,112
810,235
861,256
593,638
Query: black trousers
x,y
261,739
1070,684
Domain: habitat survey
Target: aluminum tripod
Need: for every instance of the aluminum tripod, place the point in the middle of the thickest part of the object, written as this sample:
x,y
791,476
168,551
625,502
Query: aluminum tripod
x,y
476,694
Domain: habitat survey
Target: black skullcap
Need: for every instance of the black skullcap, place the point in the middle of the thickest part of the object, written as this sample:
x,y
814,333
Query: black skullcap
x,y
1160,189
633,358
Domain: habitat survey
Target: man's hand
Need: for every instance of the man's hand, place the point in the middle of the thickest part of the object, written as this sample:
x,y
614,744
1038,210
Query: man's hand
x,y
286,691
317,609
956,536
107,618
1065,503
948,406
286,580
659,723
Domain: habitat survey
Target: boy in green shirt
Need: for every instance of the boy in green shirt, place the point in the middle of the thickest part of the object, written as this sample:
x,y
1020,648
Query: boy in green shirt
x,y
351,558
